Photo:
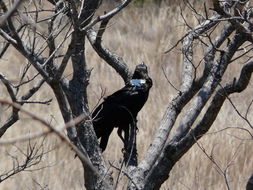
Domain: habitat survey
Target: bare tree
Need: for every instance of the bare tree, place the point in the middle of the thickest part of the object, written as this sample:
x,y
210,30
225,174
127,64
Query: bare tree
x,y
222,32
31,157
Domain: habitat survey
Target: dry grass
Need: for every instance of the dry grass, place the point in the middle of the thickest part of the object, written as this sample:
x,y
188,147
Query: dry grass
x,y
137,34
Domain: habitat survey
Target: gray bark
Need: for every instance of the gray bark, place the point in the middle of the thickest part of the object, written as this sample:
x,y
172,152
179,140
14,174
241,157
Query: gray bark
x,y
71,94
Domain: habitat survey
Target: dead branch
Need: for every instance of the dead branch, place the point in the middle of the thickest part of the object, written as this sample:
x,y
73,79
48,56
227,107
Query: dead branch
x,y
111,58
14,115
62,137
107,15
10,12
32,156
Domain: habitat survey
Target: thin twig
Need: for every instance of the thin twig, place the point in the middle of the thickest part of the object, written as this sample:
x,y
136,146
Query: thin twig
x,y
63,138
10,12
169,80
126,174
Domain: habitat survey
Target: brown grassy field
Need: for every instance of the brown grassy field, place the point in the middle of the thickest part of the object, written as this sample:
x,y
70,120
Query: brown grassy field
x,y
137,34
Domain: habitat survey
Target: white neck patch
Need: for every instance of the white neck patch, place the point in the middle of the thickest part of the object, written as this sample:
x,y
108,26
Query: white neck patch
x,y
137,82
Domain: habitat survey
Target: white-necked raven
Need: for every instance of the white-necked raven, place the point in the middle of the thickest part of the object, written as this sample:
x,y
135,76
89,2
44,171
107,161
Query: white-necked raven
x,y
121,108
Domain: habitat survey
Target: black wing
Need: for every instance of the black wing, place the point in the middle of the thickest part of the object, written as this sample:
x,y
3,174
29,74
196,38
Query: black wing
x,y
121,108
130,97
118,110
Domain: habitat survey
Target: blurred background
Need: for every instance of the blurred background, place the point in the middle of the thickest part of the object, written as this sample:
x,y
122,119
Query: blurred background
x,y
142,32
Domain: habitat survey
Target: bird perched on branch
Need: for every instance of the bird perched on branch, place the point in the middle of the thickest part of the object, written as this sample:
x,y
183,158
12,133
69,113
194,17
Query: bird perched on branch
x,y
121,108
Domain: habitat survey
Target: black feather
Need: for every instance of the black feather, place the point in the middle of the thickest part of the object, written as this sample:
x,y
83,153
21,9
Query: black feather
x,y
121,108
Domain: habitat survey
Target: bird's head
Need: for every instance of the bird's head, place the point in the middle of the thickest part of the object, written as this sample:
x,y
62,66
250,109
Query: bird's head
x,y
141,73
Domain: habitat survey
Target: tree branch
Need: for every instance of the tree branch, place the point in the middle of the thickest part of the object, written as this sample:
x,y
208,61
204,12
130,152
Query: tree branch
x,y
179,102
174,149
107,15
216,104
62,137
10,11
111,58
33,156
14,116
218,68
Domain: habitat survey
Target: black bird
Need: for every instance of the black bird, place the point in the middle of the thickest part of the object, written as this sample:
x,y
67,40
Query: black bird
x,y
121,108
